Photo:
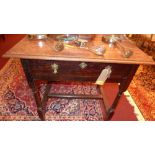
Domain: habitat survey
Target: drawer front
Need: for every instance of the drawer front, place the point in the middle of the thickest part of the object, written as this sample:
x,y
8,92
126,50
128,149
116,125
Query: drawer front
x,y
77,71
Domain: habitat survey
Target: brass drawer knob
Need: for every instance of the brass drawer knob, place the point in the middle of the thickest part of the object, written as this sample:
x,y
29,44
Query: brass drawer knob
x,y
55,68
83,65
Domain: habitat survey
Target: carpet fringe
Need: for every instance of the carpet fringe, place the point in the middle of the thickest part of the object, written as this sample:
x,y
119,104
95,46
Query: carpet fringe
x,y
132,103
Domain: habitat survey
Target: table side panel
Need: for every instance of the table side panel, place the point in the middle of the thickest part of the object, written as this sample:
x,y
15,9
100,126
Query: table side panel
x,y
71,71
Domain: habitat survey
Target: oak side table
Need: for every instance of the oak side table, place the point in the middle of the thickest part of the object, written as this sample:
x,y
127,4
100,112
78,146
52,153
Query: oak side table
x,y
41,62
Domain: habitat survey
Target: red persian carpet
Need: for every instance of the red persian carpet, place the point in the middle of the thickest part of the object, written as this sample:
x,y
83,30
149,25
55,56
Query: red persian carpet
x,y
17,102
142,89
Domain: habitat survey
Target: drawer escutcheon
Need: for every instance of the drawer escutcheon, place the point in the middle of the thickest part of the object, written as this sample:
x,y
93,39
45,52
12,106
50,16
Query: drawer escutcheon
x,y
83,65
55,68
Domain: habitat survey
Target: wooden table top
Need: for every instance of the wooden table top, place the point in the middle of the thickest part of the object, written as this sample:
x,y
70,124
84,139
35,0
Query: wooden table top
x,y
30,49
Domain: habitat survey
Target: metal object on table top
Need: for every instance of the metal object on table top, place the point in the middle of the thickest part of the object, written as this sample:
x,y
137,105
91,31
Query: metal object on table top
x,y
126,52
81,43
98,50
58,46
110,39
117,40
72,40
61,40
87,37
37,36
71,37
63,37
40,43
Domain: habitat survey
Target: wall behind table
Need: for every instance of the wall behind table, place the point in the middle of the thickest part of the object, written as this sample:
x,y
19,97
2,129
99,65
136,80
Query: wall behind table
x,y
5,45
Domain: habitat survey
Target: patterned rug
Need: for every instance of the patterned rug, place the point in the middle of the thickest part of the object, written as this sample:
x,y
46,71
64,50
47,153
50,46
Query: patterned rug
x,y
142,89
17,101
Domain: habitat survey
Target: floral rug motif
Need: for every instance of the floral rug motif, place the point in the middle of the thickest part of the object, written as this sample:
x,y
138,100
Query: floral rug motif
x,y
17,101
142,89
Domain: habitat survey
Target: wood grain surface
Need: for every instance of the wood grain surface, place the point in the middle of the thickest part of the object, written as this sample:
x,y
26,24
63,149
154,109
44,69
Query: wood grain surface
x,y
30,49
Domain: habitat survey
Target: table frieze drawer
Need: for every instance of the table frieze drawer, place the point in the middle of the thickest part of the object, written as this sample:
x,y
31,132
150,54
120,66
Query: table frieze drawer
x,y
74,70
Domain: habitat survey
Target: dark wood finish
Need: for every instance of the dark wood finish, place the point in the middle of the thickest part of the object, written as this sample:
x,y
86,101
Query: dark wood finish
x,y
71,71
33,86
68,71
70,96
44,100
